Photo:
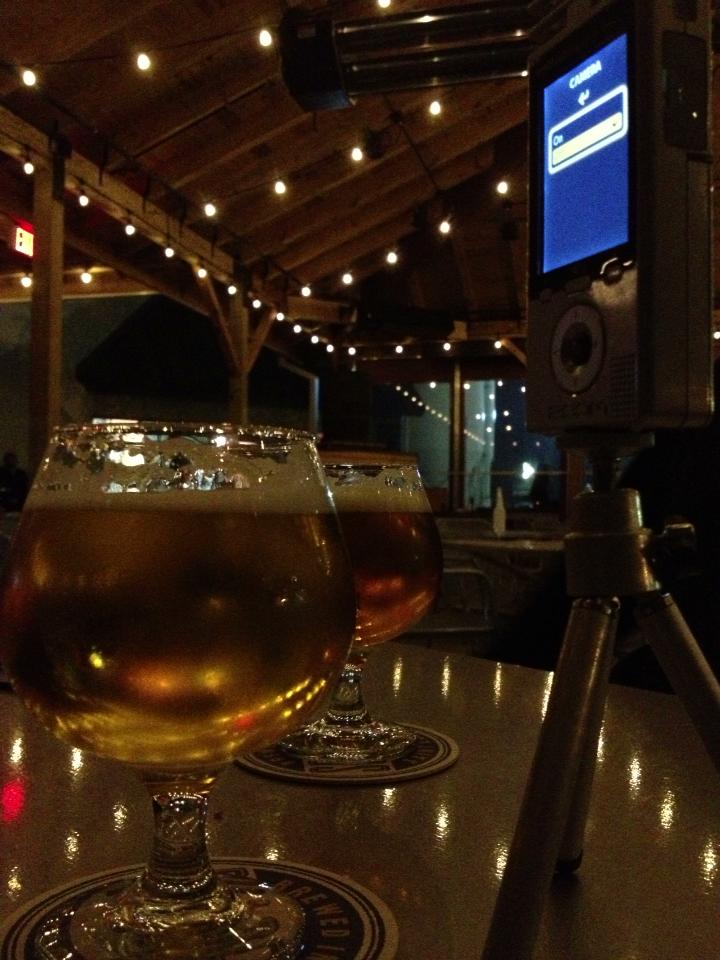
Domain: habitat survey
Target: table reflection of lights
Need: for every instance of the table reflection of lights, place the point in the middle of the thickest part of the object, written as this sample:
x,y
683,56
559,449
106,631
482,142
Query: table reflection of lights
x,y
433,849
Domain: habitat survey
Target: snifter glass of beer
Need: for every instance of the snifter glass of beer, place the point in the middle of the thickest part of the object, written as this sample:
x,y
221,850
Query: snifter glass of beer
x,y
175,595
396,560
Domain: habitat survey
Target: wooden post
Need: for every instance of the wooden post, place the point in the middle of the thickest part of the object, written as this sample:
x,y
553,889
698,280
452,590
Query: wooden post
x,y
239,328
456,489
46,313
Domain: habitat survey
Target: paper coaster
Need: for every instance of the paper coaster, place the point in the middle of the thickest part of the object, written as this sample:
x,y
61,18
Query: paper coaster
x,y
431,753
362,926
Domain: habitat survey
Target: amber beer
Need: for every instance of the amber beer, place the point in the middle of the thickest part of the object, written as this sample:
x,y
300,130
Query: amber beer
x,y
174,636
394,549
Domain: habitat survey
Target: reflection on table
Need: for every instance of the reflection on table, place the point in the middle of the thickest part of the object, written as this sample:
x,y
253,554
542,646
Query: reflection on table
x,y
433,849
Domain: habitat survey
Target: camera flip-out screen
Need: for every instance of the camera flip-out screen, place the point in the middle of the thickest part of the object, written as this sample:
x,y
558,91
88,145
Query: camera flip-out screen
x,y
586,158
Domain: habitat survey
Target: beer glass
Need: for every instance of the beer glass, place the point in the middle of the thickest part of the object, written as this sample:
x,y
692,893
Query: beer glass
x,y
396,560
177,594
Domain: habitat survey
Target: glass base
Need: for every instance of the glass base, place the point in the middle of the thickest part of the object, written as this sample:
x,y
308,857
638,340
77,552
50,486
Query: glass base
x,y
330,741
231,922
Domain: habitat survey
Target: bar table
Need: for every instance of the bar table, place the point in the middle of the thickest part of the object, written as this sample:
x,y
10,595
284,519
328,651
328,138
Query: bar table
x,y
432,849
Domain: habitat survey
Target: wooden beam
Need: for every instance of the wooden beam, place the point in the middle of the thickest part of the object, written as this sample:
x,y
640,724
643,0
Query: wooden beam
x,y
514,350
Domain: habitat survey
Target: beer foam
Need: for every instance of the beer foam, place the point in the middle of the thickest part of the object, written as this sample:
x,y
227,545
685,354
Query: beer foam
x,y
285,496
377,495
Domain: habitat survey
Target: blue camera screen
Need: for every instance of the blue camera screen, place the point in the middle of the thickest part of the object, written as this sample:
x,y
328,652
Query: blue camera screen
x,y
586,158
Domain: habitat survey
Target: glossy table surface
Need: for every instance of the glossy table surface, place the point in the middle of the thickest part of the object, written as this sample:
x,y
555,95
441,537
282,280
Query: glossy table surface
x,y
433,849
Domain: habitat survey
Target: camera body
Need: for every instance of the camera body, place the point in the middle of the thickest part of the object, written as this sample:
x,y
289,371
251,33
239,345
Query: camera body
x,y
620,255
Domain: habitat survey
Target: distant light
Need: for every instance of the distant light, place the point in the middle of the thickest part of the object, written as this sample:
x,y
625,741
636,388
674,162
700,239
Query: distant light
x,y
169,252
280,316
330,348
305,290
26,281
527,470
500,383
83,199
86,276
466,386
399,348
352,351
347,278
444,226
280,186
29,167
210,209
391,256
143,61
202,272
384,4
498,344
506,413
357,154
314,338
508,427
502,187
524,388
524,73
232,289
265,38
488,429
447,346
129,228
297,328
29,78
257,303
432,384
716,335
435,108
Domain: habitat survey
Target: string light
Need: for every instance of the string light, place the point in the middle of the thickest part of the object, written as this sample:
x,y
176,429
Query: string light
x,y
305,290
384,4
498,344
432,384
347,278
352,351
86,277
83,199
265,38
29,78
435,108
314,338
129,228
447,346
280,316
330,348
169,251
210,210
357,154
502,187
257,303
28,166
391,257
399,348
143,62
232,290
297,328
444,226
201,272
280,187
26,281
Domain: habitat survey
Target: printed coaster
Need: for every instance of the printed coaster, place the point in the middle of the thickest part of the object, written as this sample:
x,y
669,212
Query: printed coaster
x,y
431,753
343,921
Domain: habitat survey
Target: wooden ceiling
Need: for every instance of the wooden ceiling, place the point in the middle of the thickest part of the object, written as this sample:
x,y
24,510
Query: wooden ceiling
x,y
213,121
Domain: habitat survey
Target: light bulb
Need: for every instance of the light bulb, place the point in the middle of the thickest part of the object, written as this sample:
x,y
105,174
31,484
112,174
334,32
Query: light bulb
x,y
384,3
314,338
330,348
83,199
447,346
29,78
352,351
305,290
143,62
399,348
26,281
498,344
502,187
232,290
357,154
280,316
280,186
435,108
257,303
129,228
391,257
347,278
29,167
265,38
210,209
201,272
432,384
466,386
86,276
444,226
169,252
297,328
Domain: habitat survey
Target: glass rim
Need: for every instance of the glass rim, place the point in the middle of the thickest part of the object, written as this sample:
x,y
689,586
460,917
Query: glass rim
x,y
177,428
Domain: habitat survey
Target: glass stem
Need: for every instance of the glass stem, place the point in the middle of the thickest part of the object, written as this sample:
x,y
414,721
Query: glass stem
x,y
179,866
347,705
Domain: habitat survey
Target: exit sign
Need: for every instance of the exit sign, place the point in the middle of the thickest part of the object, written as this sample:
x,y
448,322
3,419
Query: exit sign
x,y
22,239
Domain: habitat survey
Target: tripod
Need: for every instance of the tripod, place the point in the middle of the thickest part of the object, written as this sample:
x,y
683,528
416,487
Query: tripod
x,y
606,558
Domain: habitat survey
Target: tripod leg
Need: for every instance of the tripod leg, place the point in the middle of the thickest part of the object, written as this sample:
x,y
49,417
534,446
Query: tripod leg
x,y
579,681
685,666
